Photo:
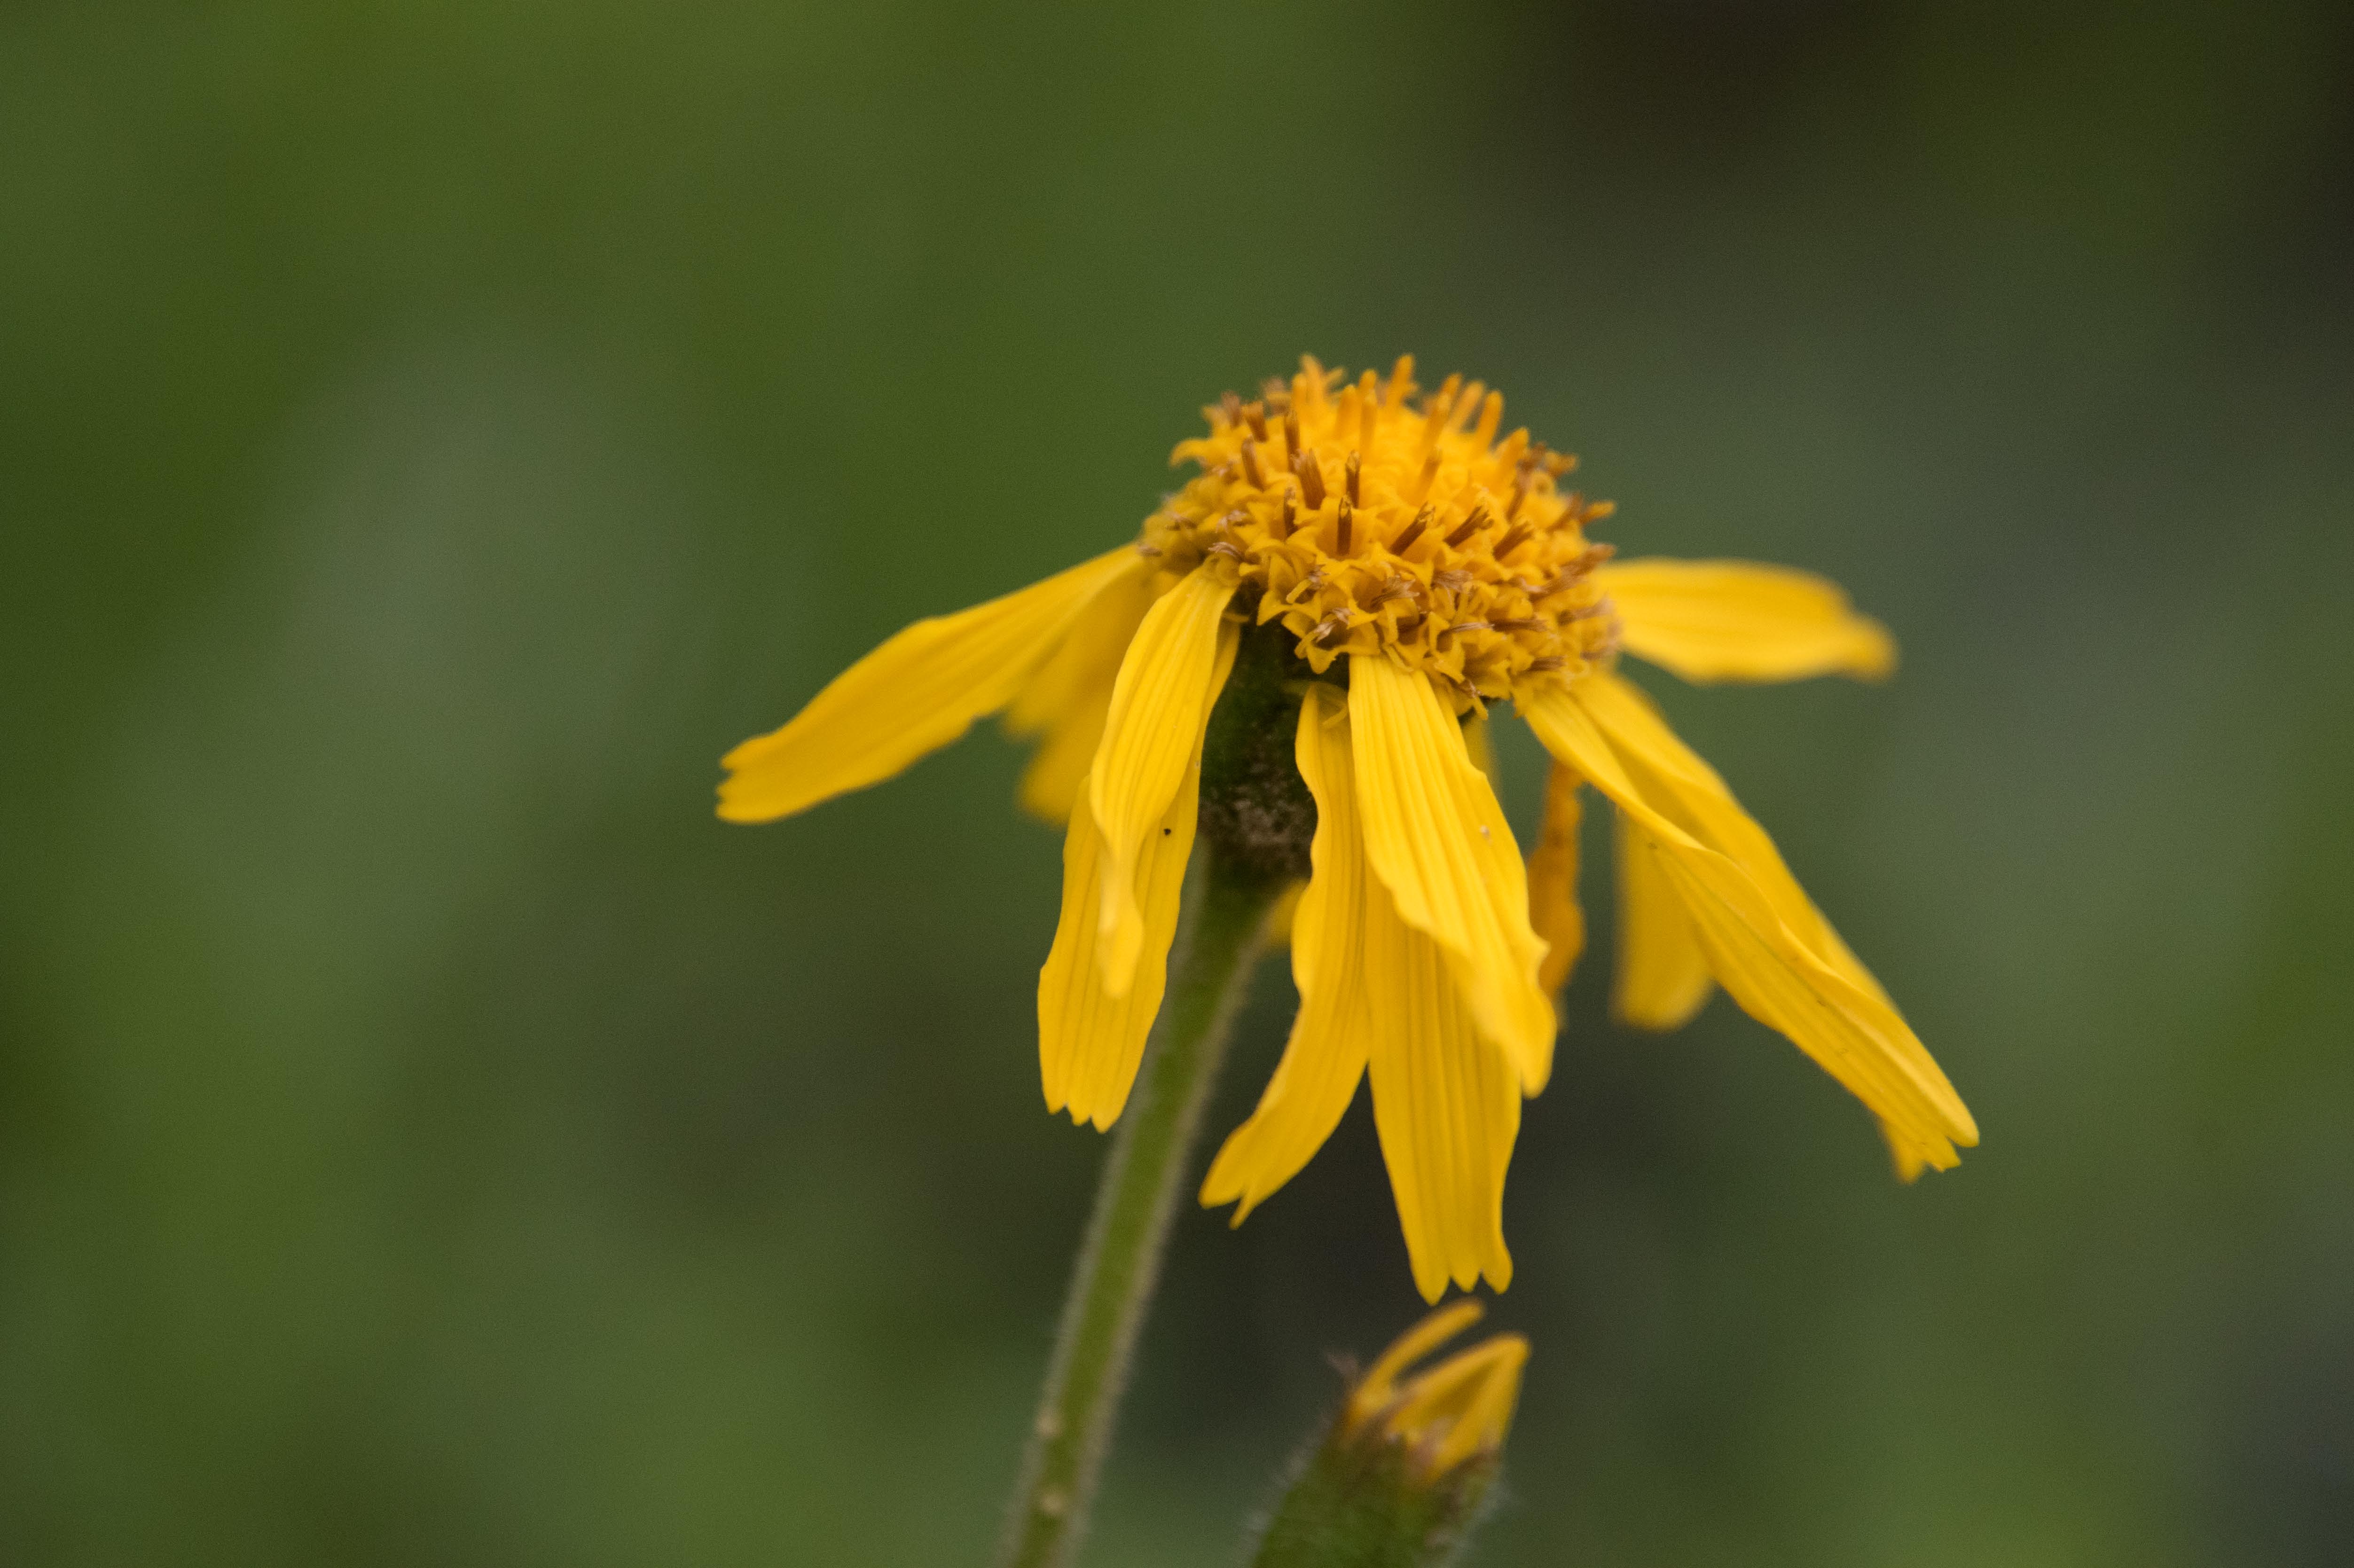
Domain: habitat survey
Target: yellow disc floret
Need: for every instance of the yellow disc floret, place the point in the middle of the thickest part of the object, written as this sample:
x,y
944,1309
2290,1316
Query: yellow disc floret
x,y
1366,524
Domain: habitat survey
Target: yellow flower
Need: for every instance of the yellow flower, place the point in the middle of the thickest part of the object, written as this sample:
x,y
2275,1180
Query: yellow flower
x,y
1411,568
1448,1414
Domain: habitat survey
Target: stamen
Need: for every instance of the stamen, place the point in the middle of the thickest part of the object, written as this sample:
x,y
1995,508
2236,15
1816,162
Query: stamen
x,y
1353,468
1470,400
1254,416
1290,519
1401,378
1550,662
1333,627
1412,531
1513,540
1311,478
1348,517
1430,477
1442,404
1231,406
1513,453
1291,437
1520,493
1492,418
1450,581
1250,463
1469,525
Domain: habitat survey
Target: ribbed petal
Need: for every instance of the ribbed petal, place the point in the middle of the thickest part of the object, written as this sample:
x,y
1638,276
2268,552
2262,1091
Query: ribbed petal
x,y
1065,703
1663,975
1691,793
1554,910
1168,682
1439,842
914,694
1738,620
1090,1040
1446,1103
1325,1056
1770,969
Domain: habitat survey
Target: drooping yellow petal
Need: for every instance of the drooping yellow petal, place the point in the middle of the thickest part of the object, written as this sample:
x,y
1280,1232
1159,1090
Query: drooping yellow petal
x,y
1091,1039
1480,746
1325,1056
1739,621
1168,682
914,694
1438,841
1775,975
1090,1042
1065,703
1663,975
1058,769
1285,915
1693,794
1446,1103
1554,910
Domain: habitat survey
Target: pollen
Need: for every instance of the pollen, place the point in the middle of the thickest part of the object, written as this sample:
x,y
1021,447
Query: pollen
x,y
1367,518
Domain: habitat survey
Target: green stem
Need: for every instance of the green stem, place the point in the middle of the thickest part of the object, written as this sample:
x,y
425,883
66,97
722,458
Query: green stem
x,y
1121,1262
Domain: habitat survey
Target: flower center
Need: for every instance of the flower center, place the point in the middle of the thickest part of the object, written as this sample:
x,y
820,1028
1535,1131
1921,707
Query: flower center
x,y
1366,524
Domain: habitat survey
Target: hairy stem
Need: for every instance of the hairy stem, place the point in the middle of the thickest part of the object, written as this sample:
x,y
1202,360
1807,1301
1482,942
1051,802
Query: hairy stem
x,y
1121,1262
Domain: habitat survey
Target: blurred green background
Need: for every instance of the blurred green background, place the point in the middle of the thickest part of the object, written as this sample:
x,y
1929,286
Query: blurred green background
x,y
430,433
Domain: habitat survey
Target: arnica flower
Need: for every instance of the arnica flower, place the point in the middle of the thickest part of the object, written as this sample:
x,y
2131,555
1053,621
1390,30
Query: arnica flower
x,y
1401,1474
1448,1414
1408,566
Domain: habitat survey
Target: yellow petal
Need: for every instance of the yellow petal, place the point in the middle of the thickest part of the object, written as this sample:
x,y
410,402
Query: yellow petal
x,y
1090,1042
1480,746
914,694
1285,915
1553,911
1378,1388
1464,1406
1777,978
1663,975
1439,842
1168,682
1058,769
1446,1103
1738,620
1691,793
1325,1056
1065,703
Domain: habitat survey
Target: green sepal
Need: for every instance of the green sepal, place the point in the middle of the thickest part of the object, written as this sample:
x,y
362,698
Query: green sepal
x,y
1363,1501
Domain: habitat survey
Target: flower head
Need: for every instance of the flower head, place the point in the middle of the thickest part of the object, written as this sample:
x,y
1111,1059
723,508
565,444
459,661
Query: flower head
x,y
1403,1473
1449,1413
1380,569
